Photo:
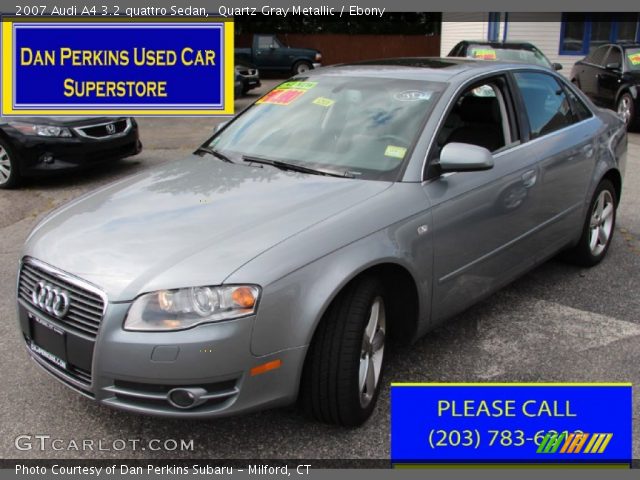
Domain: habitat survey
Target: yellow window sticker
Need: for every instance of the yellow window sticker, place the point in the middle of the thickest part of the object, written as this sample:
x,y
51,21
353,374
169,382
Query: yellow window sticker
x,y
484,54
297,85
634,58
395,152
324,102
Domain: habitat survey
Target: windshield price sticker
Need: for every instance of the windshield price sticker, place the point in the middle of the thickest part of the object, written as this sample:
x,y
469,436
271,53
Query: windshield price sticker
x,y
281,96
634,58
298,85
395,152
323,102
484,54
511,423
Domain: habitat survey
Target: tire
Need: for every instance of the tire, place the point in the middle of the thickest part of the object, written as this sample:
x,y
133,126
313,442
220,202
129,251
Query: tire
x,y
301,67
9,172
341,379
591,250
626,109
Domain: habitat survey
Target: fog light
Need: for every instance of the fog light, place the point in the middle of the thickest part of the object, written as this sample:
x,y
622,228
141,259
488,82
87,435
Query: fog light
x,y
182,398
187,397
46,158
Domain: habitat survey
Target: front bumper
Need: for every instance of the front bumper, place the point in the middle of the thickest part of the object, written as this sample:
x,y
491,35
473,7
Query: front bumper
x,y
135,371
43,155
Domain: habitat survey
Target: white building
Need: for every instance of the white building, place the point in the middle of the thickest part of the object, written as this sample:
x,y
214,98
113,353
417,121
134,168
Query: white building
x,y
563,38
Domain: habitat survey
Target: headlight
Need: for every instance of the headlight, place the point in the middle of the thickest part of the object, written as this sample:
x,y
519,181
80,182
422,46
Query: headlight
x,y
41,130
188,307
318,57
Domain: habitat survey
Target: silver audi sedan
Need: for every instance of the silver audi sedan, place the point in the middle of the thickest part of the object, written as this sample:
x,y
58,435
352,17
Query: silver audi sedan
x,y
346,209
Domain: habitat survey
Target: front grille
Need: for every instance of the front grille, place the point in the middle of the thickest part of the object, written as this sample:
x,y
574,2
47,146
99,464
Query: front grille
x,y
86,304
105,130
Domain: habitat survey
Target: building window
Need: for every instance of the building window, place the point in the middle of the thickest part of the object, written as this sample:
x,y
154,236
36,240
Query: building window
x,y
581,33
493,32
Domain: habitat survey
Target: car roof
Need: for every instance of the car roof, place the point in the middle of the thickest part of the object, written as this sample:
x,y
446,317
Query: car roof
x,y
503,44
436,69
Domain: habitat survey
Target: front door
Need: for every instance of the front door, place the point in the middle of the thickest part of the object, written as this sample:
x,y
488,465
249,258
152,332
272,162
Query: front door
x,y
481,219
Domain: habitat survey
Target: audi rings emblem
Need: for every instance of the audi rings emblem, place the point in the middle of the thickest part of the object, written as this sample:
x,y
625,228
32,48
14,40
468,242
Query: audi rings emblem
x,y
51,299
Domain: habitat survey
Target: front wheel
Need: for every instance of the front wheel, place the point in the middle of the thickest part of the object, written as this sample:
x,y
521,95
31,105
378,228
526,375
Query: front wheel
x,y
9,174
626,110
341,379
598,227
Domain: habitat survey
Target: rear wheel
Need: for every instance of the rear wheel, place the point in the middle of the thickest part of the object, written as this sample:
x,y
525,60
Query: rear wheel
x,y
9,174
598,227
301,67
341,380
626,109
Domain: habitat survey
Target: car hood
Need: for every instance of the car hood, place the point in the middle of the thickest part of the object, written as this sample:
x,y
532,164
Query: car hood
x,y
187,223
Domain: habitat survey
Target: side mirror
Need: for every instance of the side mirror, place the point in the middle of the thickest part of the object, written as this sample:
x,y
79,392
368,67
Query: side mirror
x,y
464,157
557,66
612,66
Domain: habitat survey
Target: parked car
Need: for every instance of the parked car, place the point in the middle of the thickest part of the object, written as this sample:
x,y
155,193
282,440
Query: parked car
x,y
247,78
345,209
269,54
610,77
524,52
43,145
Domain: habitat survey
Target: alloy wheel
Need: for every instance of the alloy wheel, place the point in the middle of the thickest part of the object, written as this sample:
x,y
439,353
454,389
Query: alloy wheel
x,y
601,223
372,352
5,166
624,109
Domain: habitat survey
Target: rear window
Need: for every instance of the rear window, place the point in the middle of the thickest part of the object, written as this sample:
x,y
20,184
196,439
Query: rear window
x,y
487,52
632,56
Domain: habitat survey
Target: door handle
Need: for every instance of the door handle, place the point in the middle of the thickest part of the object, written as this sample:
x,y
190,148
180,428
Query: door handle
x,y
529,178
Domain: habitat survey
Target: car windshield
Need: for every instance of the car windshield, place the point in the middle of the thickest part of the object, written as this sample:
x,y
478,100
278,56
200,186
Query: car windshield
x,y
360,127
633,58
487,52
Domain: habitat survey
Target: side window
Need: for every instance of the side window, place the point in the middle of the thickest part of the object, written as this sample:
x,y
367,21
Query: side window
x,y
614,56
480,116
597,56
265,42
546,103
580,110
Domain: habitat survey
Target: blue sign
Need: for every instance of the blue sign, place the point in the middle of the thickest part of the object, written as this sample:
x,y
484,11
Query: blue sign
x,y
512,423
117,68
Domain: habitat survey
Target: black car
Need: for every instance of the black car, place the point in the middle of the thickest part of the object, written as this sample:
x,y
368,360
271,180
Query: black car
x,y
610,76
247,78
41,145
523,52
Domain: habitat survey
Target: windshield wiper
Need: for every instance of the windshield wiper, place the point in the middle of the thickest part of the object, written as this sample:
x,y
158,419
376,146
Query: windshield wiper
x,y
215,153
294,167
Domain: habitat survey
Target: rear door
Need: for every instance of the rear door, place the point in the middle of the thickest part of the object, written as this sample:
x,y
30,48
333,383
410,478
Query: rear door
x,y
591,68
562,144
609,79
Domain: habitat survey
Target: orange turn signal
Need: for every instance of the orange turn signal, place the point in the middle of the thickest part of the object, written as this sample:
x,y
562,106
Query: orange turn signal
x,y
243,296
265,367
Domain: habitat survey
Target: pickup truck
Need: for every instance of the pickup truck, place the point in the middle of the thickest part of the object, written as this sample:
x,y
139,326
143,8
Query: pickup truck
x,y
268,53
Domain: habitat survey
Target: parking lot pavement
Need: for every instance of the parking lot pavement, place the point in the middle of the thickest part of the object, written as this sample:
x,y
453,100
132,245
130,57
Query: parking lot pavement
x,y
558,323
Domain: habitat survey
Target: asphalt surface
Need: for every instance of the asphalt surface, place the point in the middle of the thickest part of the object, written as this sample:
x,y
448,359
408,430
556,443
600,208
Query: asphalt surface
x,y
558,323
